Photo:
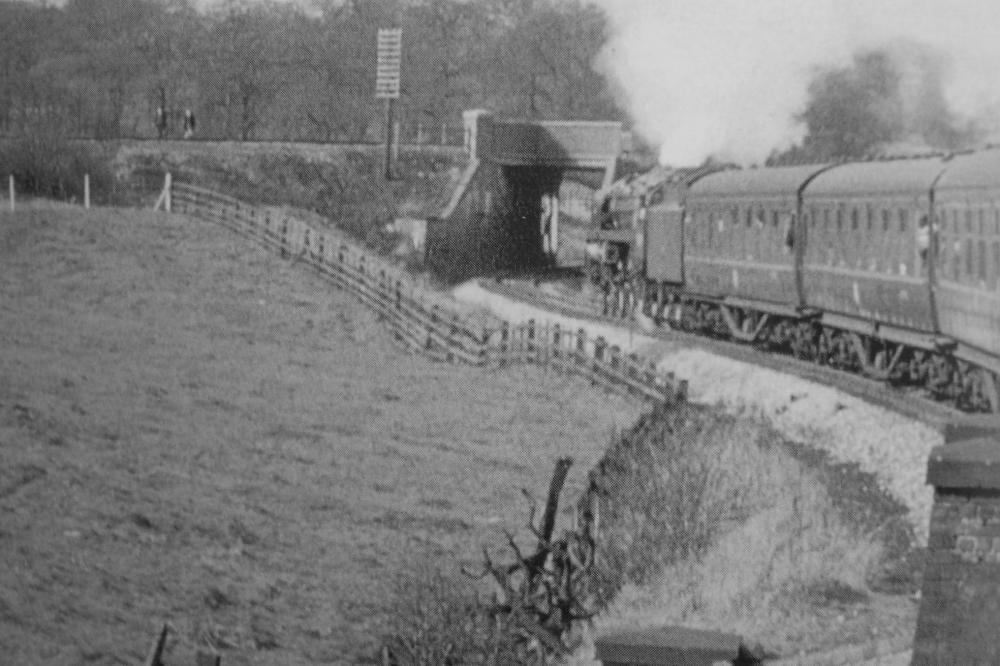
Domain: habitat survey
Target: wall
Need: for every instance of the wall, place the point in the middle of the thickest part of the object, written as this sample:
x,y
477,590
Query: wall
x,y
960,602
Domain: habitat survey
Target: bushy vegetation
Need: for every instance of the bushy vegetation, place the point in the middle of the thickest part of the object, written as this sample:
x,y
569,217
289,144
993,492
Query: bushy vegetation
x,y
702,519
45,163
345,185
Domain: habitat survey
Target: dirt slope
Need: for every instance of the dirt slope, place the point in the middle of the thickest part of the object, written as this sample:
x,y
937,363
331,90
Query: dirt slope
x,y
196,431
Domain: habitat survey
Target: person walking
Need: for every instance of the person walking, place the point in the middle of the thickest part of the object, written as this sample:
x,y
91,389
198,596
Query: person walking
x,y
161,123
188,123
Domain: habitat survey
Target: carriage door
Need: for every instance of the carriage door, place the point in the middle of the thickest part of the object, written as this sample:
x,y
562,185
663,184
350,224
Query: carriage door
x,y
665,243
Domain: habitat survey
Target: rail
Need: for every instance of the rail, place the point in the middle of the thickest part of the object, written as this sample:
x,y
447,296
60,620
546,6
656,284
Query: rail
x,y
432,329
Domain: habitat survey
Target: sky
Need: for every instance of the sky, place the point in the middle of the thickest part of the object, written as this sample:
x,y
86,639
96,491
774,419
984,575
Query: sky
x,y
726,77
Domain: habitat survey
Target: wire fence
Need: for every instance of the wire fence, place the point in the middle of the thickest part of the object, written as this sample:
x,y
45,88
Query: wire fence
x,y
432,329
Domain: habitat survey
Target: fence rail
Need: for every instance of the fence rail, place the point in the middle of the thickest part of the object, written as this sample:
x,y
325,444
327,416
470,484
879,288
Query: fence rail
x,y
430,329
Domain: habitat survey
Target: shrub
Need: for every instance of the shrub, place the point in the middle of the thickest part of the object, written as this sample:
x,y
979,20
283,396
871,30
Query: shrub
x,y
46,163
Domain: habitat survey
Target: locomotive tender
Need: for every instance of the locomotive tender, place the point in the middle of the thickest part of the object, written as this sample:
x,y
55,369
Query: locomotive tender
x,y
889,268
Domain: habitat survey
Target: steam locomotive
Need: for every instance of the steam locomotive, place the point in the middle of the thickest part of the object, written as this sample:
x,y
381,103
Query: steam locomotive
x,y
889,268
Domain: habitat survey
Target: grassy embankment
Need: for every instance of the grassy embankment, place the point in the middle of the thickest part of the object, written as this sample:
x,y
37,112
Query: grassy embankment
x,y
718,522
194,430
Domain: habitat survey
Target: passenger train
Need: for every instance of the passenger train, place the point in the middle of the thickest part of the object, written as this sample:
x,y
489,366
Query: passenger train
x,y
890,268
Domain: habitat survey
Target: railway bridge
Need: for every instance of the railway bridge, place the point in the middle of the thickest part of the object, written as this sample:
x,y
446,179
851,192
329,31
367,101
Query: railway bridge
x,y
504,213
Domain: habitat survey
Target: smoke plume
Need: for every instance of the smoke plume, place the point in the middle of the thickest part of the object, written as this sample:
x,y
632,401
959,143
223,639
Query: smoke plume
x,y
737,80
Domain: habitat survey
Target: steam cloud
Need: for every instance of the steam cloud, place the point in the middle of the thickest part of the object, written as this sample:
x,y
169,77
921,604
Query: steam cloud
x,y
727,78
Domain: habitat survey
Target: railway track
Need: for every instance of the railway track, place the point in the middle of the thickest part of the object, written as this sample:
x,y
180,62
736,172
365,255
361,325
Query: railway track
x,y
555,292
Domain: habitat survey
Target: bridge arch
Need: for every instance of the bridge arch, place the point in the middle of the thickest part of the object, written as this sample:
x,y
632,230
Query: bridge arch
x,y
504,213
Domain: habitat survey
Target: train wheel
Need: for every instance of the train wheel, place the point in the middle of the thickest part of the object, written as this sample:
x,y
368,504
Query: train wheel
x,y
803,342
977,389
941,377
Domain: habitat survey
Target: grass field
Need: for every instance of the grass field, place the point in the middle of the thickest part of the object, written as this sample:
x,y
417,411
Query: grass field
x,y
194,430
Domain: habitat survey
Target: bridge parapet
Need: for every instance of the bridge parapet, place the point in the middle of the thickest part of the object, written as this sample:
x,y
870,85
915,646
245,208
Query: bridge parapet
x,y
563,144
960,600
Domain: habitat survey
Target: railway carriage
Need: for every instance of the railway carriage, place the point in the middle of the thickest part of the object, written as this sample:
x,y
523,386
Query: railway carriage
x,y
862,259
890,268
967,266
739,236
865,268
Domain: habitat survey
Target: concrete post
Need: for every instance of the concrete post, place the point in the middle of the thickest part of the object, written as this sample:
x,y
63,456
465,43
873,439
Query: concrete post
x,y
86,191
11,181
960,601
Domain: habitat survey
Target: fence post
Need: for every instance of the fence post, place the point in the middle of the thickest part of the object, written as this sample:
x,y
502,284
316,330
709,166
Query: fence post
x,y
444,134
284,238
600,344
168,186
633,366
556,341
529,347
504,341
431,326
615,354
86,191
10,180
543,348
453,338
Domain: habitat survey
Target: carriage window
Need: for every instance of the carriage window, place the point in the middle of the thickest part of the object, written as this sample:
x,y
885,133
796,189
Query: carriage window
x,y
854,219
826,218
982,221
996,221
982,259
885,220
840,219
774,219
968,221
734,213
871,216
904,217
749,216
969,272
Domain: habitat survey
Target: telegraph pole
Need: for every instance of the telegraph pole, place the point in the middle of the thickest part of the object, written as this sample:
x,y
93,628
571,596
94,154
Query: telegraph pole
x,y
390,50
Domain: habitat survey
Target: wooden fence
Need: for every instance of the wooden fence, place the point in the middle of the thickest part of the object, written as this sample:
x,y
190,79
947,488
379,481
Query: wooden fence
x,y
430,329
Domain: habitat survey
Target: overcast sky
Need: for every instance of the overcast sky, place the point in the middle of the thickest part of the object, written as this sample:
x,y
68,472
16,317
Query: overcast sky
x,y
726,76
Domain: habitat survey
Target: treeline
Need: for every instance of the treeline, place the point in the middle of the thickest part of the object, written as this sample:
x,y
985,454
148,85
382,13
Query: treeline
x,y
259,70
